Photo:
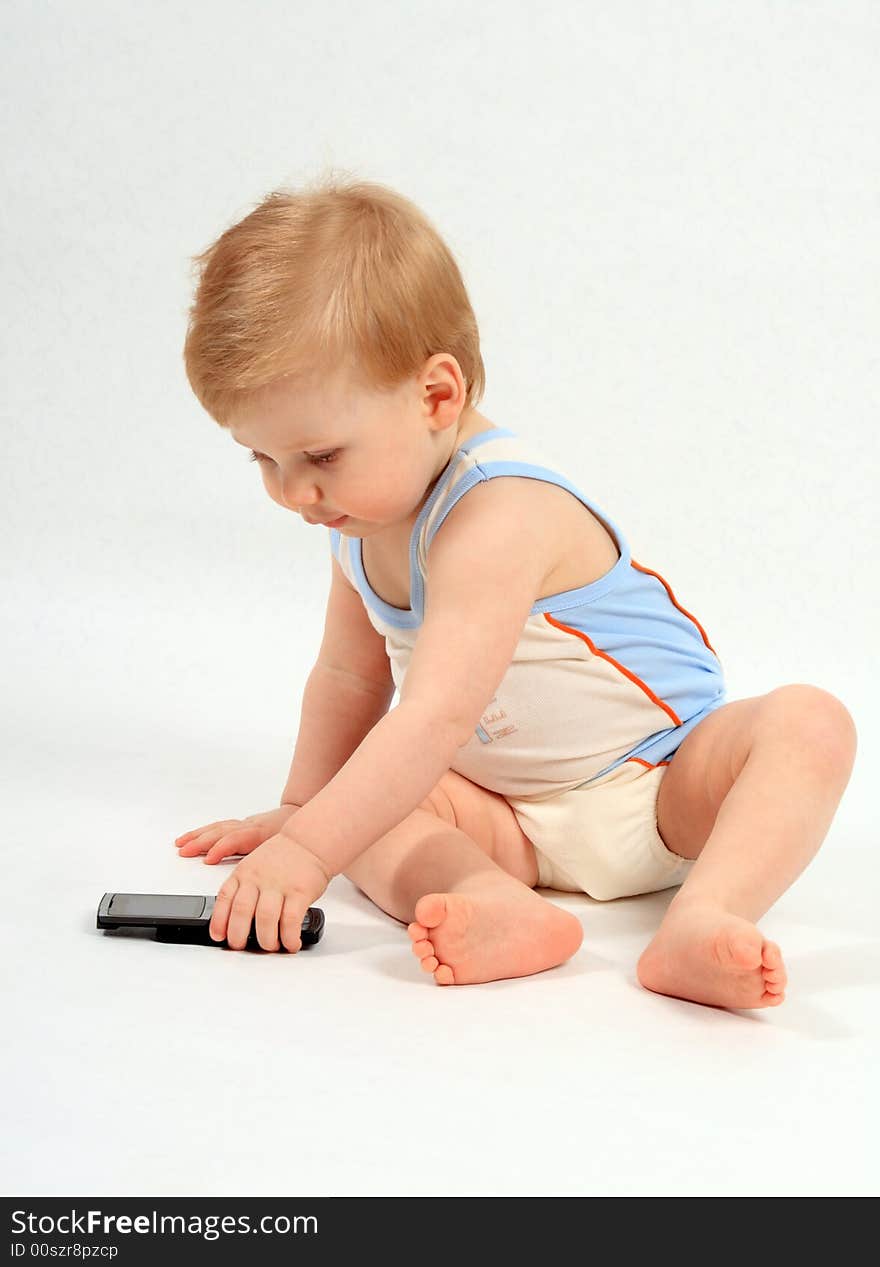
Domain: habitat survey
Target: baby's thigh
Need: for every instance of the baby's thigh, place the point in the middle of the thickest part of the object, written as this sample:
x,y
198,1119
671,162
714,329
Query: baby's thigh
x,y
489,821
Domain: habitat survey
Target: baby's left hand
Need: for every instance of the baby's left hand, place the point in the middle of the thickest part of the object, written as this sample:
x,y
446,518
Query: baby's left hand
x,y
278,882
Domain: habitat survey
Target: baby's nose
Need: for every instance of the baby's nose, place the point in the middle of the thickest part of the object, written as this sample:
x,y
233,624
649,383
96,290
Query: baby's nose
x,y
299,492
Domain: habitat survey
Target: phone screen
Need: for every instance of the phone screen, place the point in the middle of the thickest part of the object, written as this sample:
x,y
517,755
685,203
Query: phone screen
x,y
150,906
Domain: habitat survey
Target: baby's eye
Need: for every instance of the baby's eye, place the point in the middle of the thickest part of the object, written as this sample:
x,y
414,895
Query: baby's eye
x,y
317,459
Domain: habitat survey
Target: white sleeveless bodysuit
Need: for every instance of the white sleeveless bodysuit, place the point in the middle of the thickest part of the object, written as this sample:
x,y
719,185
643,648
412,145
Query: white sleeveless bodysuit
x,y
612,672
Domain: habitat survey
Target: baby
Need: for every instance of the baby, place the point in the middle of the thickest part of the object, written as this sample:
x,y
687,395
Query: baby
x,y
561,721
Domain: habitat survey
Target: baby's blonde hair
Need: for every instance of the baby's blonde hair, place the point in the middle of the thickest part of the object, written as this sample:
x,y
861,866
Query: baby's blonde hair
x,y
343,273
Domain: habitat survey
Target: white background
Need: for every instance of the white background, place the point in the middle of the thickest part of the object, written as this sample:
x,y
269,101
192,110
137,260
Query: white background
x,y
666,217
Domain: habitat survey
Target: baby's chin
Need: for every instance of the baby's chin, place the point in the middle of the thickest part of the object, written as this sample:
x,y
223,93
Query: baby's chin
x,y
364,527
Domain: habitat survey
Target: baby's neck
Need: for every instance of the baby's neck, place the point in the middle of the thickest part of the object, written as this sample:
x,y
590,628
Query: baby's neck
x,y
469,424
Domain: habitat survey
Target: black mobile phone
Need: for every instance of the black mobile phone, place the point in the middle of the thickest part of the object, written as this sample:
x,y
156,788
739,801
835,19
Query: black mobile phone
x,y
184,917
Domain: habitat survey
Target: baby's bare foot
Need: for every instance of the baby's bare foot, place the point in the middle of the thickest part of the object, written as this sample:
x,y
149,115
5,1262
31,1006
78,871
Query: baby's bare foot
x,y
707,955
489,932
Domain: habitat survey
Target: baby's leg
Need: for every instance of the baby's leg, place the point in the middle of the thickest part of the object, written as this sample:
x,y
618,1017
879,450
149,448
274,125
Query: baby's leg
x,y
785,761
469,920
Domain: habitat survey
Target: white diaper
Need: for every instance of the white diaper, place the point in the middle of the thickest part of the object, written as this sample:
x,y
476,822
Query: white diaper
x,y
602,839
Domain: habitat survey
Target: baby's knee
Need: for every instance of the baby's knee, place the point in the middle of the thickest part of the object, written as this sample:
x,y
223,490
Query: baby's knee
x,y
818,718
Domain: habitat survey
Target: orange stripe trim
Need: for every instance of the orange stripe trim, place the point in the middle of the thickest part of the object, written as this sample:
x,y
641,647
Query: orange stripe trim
x,y
642,761
621,668
639,568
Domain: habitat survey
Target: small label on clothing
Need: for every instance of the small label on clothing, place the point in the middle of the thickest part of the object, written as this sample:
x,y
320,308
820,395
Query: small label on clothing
x,y
496,723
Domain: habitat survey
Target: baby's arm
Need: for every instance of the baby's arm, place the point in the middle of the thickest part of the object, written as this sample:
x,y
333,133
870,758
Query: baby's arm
x,y
473,620
348,691
338,710
474,615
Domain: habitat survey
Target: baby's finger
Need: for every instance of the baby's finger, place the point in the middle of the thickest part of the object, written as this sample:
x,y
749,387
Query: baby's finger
x,y
199,844
190,835
199,831
241,915
269,905
290,927
232,843
222,904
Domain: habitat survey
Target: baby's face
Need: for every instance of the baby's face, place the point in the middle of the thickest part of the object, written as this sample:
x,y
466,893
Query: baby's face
x,y
334,450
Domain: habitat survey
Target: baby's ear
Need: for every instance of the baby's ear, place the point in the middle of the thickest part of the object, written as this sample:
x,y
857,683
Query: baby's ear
x,y
443,391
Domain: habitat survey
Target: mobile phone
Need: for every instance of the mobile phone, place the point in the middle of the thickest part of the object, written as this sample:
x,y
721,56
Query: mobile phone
x,y
184,917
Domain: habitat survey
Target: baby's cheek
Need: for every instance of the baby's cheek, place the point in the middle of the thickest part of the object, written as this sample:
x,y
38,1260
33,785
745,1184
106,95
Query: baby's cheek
x,y
362,502
391,497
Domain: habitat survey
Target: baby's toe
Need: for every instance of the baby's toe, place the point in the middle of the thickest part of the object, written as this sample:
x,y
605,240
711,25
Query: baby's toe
x,y
422,948
431,909
429,963
444,975
417,931
773,970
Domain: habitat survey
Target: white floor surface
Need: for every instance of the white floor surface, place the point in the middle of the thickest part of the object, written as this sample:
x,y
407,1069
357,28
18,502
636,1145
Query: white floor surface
x,y
138,1068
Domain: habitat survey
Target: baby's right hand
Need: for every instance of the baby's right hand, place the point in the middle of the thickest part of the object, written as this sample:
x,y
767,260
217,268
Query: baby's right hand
x,y
233,835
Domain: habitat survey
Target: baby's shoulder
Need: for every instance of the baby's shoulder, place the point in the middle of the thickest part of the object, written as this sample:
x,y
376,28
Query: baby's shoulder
x,y
577,547
580,547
